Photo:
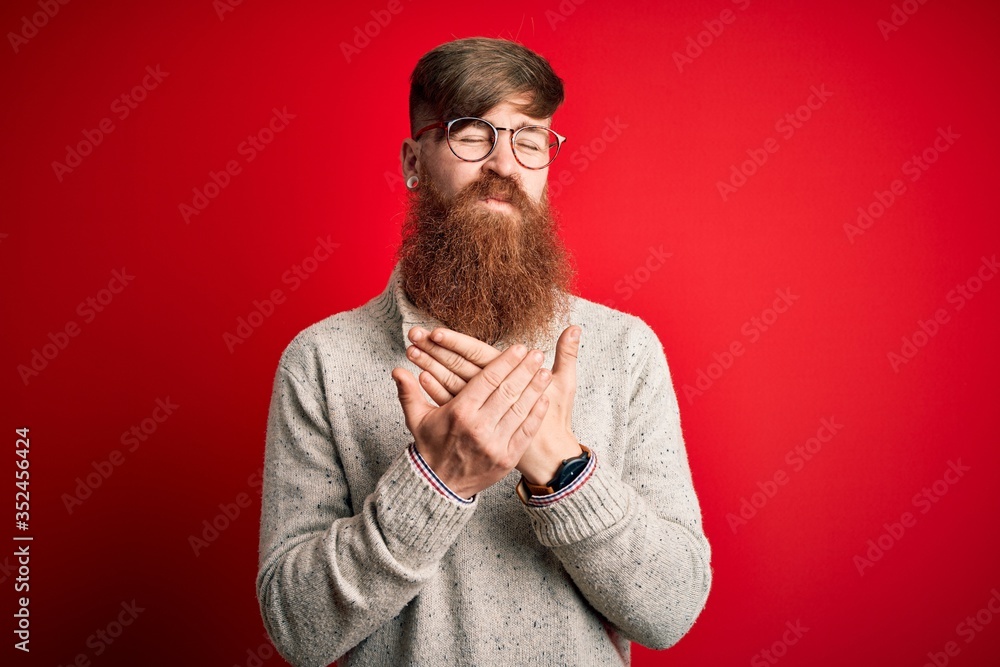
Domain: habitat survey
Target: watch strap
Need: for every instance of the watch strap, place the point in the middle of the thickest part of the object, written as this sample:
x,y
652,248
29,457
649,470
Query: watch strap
x,y
569,470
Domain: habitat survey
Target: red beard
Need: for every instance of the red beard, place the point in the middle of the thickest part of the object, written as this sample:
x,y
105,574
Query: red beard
x,y
496,275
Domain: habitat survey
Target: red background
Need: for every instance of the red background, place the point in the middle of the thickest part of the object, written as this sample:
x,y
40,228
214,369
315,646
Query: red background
x,y
333,172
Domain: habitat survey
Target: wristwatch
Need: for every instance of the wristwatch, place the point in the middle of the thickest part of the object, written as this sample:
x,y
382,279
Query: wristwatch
x,y
568,471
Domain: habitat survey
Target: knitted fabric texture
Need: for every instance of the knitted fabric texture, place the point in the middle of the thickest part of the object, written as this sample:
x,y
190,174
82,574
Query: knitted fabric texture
x,y
361,559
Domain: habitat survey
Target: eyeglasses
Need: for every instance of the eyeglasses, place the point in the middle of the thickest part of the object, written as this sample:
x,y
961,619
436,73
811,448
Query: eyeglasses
x,y
474,139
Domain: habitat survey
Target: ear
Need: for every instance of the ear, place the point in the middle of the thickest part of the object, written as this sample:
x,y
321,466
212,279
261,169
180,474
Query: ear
x,y
409,158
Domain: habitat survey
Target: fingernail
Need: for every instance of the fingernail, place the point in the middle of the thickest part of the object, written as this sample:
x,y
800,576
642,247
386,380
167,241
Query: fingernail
x,y
417,334
438,337
520,350
574,334
537,356
414,352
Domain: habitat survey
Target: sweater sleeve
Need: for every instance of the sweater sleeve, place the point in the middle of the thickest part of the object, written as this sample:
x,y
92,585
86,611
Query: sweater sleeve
x,y
327,577
634,544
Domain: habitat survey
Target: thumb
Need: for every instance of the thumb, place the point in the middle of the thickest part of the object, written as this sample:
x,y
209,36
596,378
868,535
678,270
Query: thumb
x,y
415,406
567,348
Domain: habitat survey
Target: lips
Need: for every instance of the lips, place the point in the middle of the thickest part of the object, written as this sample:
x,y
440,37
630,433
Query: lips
x,y
496,200
498,192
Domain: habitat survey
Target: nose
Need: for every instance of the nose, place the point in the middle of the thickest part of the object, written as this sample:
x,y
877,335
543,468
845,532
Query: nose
x,y
502,161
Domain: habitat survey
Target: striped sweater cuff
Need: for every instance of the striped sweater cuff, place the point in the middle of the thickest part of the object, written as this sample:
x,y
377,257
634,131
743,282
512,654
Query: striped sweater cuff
x,y
421,467
581,479
596,506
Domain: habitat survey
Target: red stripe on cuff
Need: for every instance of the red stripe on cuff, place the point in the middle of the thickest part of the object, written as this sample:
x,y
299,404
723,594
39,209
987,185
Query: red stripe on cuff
x,y
418,463
545,501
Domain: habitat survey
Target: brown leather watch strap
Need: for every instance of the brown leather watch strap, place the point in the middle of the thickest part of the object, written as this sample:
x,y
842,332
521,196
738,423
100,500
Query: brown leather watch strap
x,y
530,489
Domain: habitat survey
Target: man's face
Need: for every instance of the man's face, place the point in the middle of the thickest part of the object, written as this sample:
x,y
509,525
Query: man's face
x,y
436,162
480,249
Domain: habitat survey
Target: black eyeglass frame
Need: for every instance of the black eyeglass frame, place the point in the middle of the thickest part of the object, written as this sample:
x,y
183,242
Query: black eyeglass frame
x,y
446,125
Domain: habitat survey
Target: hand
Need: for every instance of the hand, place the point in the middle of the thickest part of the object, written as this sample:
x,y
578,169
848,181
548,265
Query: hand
x,y
450,360
476,439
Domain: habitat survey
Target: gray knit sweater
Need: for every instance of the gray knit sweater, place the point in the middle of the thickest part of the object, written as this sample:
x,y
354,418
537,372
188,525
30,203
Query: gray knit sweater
x,y
362,559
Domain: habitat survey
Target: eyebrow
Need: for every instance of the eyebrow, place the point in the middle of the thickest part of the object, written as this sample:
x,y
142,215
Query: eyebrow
x,y
524,124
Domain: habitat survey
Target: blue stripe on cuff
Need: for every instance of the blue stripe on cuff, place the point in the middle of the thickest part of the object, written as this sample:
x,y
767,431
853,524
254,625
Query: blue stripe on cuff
x,y
421,467
545,501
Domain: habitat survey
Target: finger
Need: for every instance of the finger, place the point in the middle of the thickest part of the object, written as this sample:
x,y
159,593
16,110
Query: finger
x,y
512,388
415,406
482,387
438,393
526,431
452,360
567,350
521,408
445,377
464,354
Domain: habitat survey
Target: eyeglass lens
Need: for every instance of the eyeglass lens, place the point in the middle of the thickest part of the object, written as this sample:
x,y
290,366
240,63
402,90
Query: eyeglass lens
x,y
472,139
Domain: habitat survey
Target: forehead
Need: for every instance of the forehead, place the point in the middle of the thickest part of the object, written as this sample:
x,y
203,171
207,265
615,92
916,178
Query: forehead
x,y
509,111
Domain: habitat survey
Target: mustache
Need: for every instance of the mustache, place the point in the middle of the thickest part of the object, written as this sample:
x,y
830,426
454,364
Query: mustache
x,y
494,186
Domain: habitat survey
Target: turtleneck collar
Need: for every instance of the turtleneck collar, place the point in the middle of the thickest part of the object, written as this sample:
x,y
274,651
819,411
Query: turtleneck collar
x,y
399,307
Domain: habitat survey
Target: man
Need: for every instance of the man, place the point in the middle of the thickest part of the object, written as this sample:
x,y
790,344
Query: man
x,y
395,530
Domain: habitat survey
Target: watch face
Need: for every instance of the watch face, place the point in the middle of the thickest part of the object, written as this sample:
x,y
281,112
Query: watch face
x,y
570,470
